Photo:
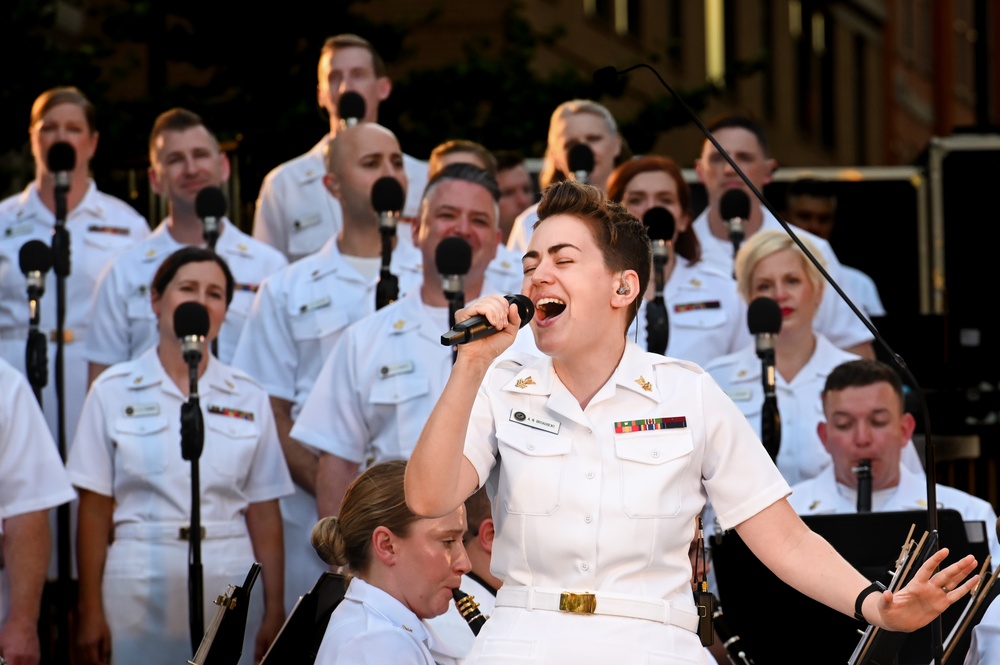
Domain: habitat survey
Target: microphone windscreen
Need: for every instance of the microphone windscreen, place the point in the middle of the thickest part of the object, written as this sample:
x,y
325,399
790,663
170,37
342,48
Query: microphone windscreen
x,y
659,223
734,203
525,308
351,105
606,78
453,256
580,158
764,316
190,319
35,255
210,202
388,195
61,157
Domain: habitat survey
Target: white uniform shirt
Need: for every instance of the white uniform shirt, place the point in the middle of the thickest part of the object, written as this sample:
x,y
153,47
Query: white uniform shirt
x,y
100,228
296,214
823,495
586,500
124,324
707,317
861,286
379,384
506,270
834,318
33,476
370,627
520,231
985,643
451,636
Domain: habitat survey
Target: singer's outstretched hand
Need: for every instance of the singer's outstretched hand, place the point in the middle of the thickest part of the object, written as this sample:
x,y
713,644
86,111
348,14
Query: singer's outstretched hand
x,y
502,315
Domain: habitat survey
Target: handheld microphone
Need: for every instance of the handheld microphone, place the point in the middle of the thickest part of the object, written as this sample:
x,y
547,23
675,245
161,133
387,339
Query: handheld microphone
x,y
388,199
210,205
477,327
61,160
764,321
580,160
453,258
350,108
35,259
191,326
734,208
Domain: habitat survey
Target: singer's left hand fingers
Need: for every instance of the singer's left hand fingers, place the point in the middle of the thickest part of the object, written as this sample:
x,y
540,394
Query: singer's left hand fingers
x,y
494,307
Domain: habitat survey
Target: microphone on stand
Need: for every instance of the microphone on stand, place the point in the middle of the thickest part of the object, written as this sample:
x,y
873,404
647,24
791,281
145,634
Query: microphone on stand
x,y
580,160
734,208
191,325
350,108
764,321
864,473
477,327
35,259
210,205
453,258
660,226
388,198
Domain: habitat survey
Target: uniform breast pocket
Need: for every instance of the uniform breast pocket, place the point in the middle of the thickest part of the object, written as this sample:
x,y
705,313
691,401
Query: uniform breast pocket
x,y
319,326
138,307
308,232
533,469
230,444
101,247
652,469
143,444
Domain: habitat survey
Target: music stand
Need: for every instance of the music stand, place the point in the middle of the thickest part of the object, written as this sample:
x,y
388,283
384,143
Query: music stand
x,y
768,614
299,639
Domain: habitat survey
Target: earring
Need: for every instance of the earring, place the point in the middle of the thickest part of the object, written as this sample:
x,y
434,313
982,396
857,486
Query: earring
x,y
624,289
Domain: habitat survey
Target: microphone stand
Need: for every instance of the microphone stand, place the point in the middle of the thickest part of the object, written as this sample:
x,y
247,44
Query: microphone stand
x,y
456,301
657,322
61,268
387,289
770,419
211,235
192,443
36,360
937,648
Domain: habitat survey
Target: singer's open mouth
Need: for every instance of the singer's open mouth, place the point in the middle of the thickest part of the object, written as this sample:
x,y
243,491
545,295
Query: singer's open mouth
x,y
549,307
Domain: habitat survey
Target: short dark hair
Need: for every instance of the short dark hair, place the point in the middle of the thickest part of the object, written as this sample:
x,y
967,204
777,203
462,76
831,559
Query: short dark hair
x,y
861,373
54,97
508,159
191,254
348,40
477,509
621,237
462,145
466,172
739,121
820,189
176,120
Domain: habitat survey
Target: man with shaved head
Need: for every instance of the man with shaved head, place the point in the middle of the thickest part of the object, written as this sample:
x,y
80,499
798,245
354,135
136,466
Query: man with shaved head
x,y
301,311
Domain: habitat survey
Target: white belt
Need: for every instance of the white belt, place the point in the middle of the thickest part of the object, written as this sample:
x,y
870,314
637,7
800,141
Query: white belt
x,y
167,531
635,607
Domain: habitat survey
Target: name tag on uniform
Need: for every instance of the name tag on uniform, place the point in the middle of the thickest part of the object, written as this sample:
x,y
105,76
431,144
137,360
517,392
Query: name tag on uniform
x,y
537,422
142,410
743,395
404,367
315,304
306,222
21,229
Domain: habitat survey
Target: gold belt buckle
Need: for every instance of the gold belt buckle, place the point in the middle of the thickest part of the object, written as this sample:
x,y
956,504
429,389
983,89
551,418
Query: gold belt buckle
x,y
68,336
185,533
579,603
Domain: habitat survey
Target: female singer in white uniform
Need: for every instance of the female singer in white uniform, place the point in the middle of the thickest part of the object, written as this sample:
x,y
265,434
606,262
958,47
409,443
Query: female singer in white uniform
x,y
404,569
598,457
135,488
706,316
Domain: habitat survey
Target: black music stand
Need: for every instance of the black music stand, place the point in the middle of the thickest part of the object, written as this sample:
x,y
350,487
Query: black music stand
x,y
299,639
769,615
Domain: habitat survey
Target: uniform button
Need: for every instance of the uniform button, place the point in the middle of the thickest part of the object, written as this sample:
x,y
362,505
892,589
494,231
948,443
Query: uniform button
x,y
531,446
584,566
588,519
590,474
656,453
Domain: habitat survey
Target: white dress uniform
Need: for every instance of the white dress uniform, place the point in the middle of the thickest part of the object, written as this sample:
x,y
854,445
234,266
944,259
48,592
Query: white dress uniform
x,y
128,447
100,228
451,637
506,271
379,384
520,231
800,405
706,316
859,285
802,454
296,213
33,476
297,316
370,627
823,495
601,501
834,318
124,324
984,645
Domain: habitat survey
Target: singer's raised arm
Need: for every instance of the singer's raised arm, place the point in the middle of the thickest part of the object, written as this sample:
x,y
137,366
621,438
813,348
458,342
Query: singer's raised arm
x,y
438,476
